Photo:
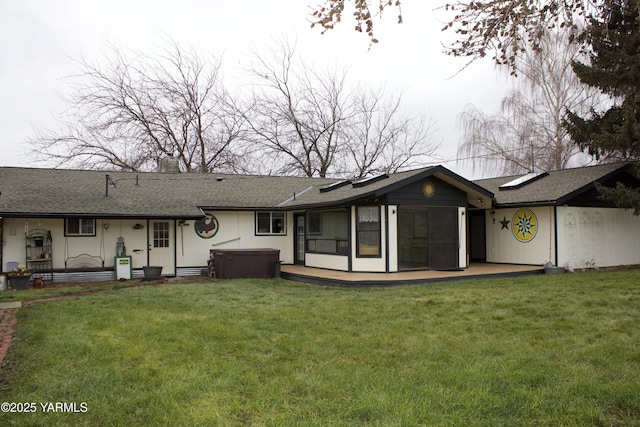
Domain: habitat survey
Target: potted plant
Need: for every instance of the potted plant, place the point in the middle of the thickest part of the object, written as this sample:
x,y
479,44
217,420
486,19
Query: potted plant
x,y
20,277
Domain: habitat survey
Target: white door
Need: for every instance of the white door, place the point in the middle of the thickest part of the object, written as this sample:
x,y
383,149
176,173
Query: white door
x,y
162,246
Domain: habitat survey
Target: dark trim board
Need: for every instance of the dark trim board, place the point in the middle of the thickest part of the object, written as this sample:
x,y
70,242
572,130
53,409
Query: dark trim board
x,y
323,281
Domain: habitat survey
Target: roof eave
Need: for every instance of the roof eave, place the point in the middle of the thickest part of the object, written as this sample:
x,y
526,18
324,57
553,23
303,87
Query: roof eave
x,y
59,215
622,169
332,203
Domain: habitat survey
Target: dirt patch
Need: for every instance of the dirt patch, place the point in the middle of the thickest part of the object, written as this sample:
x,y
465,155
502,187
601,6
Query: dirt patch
x,y
7,323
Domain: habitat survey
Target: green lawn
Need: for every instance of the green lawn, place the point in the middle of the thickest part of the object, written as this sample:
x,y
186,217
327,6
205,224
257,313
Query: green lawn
x,y
537,350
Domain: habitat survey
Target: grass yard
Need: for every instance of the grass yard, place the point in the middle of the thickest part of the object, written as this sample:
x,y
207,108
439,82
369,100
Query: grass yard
x,y
537,350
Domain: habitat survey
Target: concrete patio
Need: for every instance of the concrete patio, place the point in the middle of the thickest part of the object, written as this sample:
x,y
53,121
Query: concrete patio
x,y
319,276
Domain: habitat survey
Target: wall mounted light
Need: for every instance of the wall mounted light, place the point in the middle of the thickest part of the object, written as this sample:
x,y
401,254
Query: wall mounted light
x,y
480,200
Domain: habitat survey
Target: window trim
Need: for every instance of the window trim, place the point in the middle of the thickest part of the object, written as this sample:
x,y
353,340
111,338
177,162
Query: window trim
x,y
271,222
80,233
358,231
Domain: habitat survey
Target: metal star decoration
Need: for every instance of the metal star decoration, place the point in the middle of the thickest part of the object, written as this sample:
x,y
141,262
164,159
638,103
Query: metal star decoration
x,y
505,223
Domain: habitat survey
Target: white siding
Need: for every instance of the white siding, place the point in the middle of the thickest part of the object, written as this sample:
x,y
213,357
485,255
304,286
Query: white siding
x,y
597,237
103,244
463,259
504,247
393,237
333,262
236,230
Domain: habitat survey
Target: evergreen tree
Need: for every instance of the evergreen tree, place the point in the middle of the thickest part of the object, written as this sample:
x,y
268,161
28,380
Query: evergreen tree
x,y
613,39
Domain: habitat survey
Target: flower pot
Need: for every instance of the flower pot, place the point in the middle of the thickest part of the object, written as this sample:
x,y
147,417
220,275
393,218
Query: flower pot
x,y
19,283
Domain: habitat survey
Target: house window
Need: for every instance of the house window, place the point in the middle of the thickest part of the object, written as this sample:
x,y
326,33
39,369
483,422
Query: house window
x,y
161,234
328,232
79,227
368,233
270,223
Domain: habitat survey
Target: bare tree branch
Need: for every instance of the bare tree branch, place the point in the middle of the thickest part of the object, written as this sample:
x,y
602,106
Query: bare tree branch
x,y
298,112
127,112
315,123
502,29
329,14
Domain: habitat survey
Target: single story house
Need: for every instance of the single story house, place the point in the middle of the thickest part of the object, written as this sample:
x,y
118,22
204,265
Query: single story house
x,y
70,224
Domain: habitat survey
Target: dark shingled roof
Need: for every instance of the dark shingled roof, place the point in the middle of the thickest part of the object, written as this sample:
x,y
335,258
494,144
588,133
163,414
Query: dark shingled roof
x,y
553,188
313,197
65,192
53,192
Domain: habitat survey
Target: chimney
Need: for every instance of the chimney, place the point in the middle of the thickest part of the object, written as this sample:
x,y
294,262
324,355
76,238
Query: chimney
x,y
169,164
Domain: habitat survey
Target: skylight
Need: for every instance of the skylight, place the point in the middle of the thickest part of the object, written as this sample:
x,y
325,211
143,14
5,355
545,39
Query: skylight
x,y
334,185
523,180
370,180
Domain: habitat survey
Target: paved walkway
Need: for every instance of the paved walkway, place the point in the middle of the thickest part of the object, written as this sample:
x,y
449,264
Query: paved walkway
x,y
322,276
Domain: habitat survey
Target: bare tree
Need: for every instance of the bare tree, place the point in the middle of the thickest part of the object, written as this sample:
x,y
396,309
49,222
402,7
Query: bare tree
x,y
297,113
382,139
528,133
130,111
315,123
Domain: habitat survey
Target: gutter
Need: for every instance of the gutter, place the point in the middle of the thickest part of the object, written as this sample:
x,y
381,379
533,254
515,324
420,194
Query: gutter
x,y
526,204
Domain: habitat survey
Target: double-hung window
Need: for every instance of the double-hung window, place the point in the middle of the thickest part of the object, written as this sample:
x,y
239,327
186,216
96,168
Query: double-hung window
x,y
368,231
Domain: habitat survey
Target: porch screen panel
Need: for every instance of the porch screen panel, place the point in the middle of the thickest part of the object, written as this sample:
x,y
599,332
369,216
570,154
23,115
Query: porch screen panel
x,y
413,243
327,232
427,238
443,238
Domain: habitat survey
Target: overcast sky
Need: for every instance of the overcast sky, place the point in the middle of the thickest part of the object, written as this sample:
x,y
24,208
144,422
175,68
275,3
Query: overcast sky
x,y
41,39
